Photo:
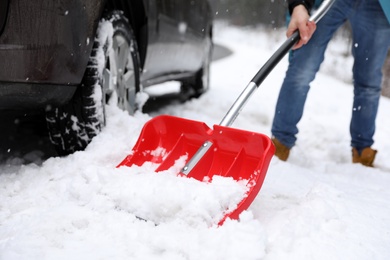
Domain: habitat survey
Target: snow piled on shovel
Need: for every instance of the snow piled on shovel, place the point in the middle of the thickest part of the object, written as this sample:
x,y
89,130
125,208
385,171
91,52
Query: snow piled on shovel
x,y
167,198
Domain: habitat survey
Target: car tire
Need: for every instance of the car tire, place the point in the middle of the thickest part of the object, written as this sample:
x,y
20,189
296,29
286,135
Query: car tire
x,y
195,86
112,75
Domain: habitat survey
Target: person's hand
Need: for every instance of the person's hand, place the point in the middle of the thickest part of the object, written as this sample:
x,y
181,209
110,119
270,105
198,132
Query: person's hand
x,y
300,21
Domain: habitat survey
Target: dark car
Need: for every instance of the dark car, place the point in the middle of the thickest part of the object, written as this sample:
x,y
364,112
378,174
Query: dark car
x,y
70,57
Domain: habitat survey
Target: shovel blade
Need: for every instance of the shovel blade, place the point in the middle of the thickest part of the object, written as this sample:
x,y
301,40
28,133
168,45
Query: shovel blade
x,y
240,154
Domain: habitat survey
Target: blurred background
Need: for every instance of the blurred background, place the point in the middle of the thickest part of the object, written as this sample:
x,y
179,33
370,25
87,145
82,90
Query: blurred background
x,y
273,14
270,13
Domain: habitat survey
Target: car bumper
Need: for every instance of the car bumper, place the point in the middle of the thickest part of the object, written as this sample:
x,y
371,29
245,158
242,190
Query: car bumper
x,y
22,96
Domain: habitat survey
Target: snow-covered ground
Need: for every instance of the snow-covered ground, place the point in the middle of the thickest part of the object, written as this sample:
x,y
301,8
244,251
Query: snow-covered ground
x,y
318,205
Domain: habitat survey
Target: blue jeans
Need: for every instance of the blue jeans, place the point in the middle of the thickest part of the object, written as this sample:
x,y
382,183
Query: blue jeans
x,y
371,41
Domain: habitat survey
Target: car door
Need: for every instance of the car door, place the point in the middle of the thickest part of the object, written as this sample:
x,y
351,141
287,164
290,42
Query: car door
x,y
176,36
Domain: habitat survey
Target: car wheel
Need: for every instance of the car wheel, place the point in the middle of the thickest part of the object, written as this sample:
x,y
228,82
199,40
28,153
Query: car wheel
x,y
195,86
112,75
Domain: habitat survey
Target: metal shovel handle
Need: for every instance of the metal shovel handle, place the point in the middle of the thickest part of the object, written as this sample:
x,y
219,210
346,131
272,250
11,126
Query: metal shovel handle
x,y
236,108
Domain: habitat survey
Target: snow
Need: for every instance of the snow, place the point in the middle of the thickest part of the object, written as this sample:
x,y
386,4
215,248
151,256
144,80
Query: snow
x,y
317,205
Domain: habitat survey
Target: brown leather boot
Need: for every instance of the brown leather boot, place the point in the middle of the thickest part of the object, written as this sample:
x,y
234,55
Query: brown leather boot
x,y
282,151
366,157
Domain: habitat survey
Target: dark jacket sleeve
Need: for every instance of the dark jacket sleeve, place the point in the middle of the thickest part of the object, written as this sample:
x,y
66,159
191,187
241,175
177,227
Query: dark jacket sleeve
x,y
293,3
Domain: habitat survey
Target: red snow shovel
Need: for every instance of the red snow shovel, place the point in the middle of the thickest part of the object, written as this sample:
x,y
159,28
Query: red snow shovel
x,y
223,151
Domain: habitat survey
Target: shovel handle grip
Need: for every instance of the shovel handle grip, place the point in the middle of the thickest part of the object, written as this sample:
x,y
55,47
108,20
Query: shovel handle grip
x,y
275,58
269,66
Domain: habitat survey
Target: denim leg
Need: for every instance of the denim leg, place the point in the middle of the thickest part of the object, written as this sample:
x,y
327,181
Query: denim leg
x,y
303,66
292,97
371,41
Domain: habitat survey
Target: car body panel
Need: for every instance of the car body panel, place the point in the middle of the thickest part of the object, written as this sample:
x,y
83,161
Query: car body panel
x,y
3,13
176,38
49,42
